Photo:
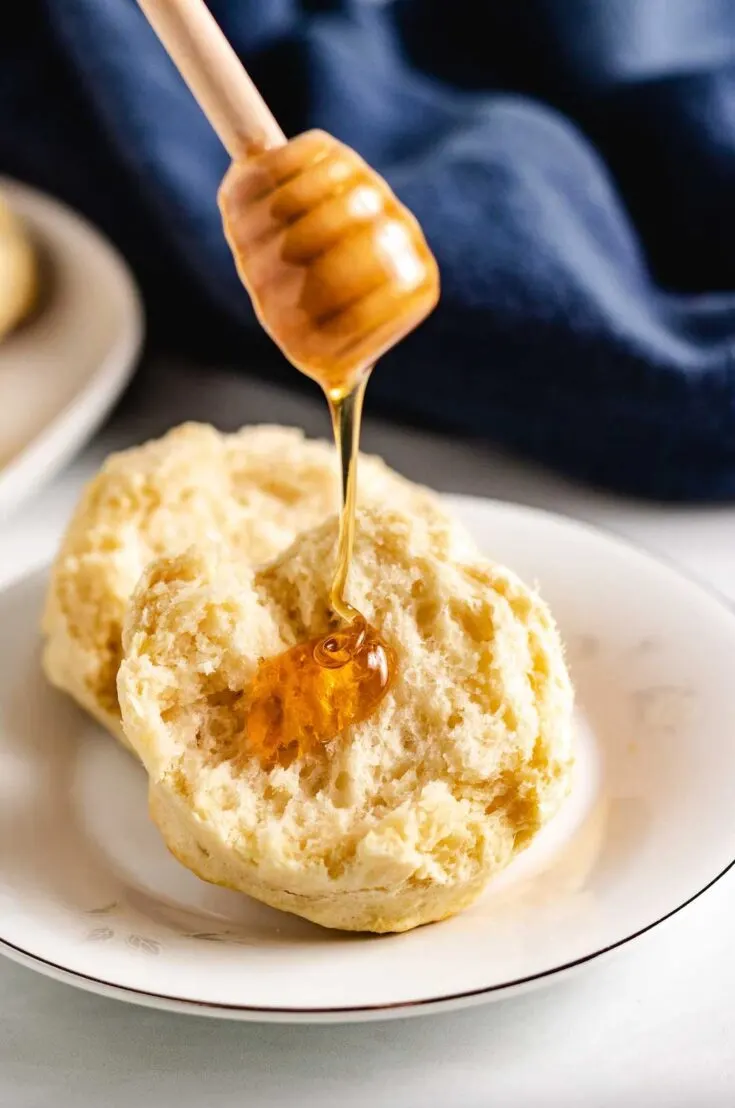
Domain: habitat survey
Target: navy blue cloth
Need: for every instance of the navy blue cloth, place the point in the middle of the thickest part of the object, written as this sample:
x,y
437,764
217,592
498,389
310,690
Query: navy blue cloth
x,y
571,161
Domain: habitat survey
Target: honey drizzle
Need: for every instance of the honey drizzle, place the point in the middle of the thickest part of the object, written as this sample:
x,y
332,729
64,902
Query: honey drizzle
x,y
345,409
308,694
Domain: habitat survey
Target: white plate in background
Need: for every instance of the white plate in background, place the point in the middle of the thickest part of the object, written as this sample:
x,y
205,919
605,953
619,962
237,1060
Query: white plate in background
x,y
61,372
89,894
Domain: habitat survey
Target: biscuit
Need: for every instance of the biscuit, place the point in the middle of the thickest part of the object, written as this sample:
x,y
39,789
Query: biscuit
x,y
255,490
401,819
18,271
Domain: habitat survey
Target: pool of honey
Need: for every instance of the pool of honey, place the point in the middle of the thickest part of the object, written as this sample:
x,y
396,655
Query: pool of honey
x,y
312,692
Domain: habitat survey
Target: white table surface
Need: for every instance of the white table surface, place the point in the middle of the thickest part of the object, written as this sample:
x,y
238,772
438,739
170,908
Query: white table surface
x,y
653,1026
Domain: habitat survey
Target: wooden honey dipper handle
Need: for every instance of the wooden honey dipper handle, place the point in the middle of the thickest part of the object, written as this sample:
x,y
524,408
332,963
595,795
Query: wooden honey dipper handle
x,y
215,75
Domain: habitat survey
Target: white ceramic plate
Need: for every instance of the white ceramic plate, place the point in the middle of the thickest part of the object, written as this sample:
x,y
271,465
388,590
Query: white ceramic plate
x,y
88,893
61,372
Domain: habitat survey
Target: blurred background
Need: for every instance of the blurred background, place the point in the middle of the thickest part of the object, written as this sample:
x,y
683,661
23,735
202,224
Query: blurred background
x,y
571,161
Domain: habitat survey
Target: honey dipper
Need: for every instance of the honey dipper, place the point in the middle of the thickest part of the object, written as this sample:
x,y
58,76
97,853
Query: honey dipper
x,y
338,270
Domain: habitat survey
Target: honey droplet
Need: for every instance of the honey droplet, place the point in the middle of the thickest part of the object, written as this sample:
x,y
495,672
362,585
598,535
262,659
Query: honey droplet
x,y
313,691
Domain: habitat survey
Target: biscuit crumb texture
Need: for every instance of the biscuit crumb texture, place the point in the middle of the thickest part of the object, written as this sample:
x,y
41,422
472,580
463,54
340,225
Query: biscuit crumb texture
x,y
401,819
254,490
